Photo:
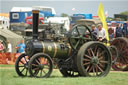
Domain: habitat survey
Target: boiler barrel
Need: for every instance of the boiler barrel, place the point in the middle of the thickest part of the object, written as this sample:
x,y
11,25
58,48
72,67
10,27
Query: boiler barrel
x,y
55,49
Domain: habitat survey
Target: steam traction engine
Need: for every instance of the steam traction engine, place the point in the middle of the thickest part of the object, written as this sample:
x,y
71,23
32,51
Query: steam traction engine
x,y
75,53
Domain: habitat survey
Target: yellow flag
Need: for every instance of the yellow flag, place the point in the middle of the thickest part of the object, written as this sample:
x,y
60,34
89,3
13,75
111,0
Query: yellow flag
x,y
101,15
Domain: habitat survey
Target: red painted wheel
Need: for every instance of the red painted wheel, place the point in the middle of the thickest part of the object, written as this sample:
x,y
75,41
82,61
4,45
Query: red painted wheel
x,y
121,63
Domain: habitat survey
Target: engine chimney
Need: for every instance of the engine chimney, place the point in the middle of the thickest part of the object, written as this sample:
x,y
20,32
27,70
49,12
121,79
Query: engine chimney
x,y
35,23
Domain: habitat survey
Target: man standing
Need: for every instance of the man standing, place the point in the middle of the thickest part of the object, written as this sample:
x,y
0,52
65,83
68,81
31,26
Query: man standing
x,y
21,47
9,50
119,31
101,34
111,32
94,31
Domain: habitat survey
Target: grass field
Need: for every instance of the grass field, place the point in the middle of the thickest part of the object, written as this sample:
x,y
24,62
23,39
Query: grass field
x,y
8,76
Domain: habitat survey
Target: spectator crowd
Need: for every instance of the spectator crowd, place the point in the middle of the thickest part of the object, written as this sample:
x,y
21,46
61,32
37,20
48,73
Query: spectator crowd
x,y
99,32
6,55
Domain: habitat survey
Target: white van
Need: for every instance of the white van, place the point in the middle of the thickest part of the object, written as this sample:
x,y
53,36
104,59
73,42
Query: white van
x,y
4,22
60,20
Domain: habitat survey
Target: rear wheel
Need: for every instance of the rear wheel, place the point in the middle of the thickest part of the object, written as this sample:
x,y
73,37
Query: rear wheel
x,y
40,65
94,59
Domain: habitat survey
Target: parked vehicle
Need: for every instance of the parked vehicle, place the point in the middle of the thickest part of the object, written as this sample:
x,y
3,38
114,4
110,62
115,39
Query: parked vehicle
x,y
4,22
75,54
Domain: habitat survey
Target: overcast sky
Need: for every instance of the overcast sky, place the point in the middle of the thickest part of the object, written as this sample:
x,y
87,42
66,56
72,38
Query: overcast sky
x,y
65,6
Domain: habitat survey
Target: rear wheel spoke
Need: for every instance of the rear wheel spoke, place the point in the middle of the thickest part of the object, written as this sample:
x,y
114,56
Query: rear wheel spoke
x,y
92,52
86,63
106,62
101,58
101,64
87,67
95,50
97,54
90,69
86,60
89,52
100,68
100,54
88,56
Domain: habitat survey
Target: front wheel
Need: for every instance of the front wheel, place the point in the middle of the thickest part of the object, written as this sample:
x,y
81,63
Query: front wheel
x,y
94,59
21,65
40,65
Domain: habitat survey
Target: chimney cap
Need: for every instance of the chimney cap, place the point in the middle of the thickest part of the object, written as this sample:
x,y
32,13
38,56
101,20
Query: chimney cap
x,y
35,11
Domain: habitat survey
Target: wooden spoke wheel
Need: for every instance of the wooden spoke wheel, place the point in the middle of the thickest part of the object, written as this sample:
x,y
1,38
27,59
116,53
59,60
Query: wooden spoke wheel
x,y
79,34
40,65
121,63
21,65
94,59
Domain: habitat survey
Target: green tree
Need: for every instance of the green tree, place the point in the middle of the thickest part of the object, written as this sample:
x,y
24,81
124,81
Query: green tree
x,y
124,13
64,15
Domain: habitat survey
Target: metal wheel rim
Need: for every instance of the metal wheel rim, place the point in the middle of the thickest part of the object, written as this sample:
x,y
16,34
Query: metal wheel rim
x,y
91,66
22,65
40,66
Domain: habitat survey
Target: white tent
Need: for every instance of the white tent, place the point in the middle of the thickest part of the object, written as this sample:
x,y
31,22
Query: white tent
x,y
11,36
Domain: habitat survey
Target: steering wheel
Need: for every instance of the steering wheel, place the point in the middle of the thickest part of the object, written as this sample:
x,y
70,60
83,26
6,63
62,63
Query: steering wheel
x,y
79,35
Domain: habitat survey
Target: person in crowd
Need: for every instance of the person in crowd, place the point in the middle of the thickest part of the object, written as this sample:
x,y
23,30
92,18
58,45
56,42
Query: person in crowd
x,y
124,29
1,47
94,31
111,32
17,50
101,34
119,31
21,47
9,50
